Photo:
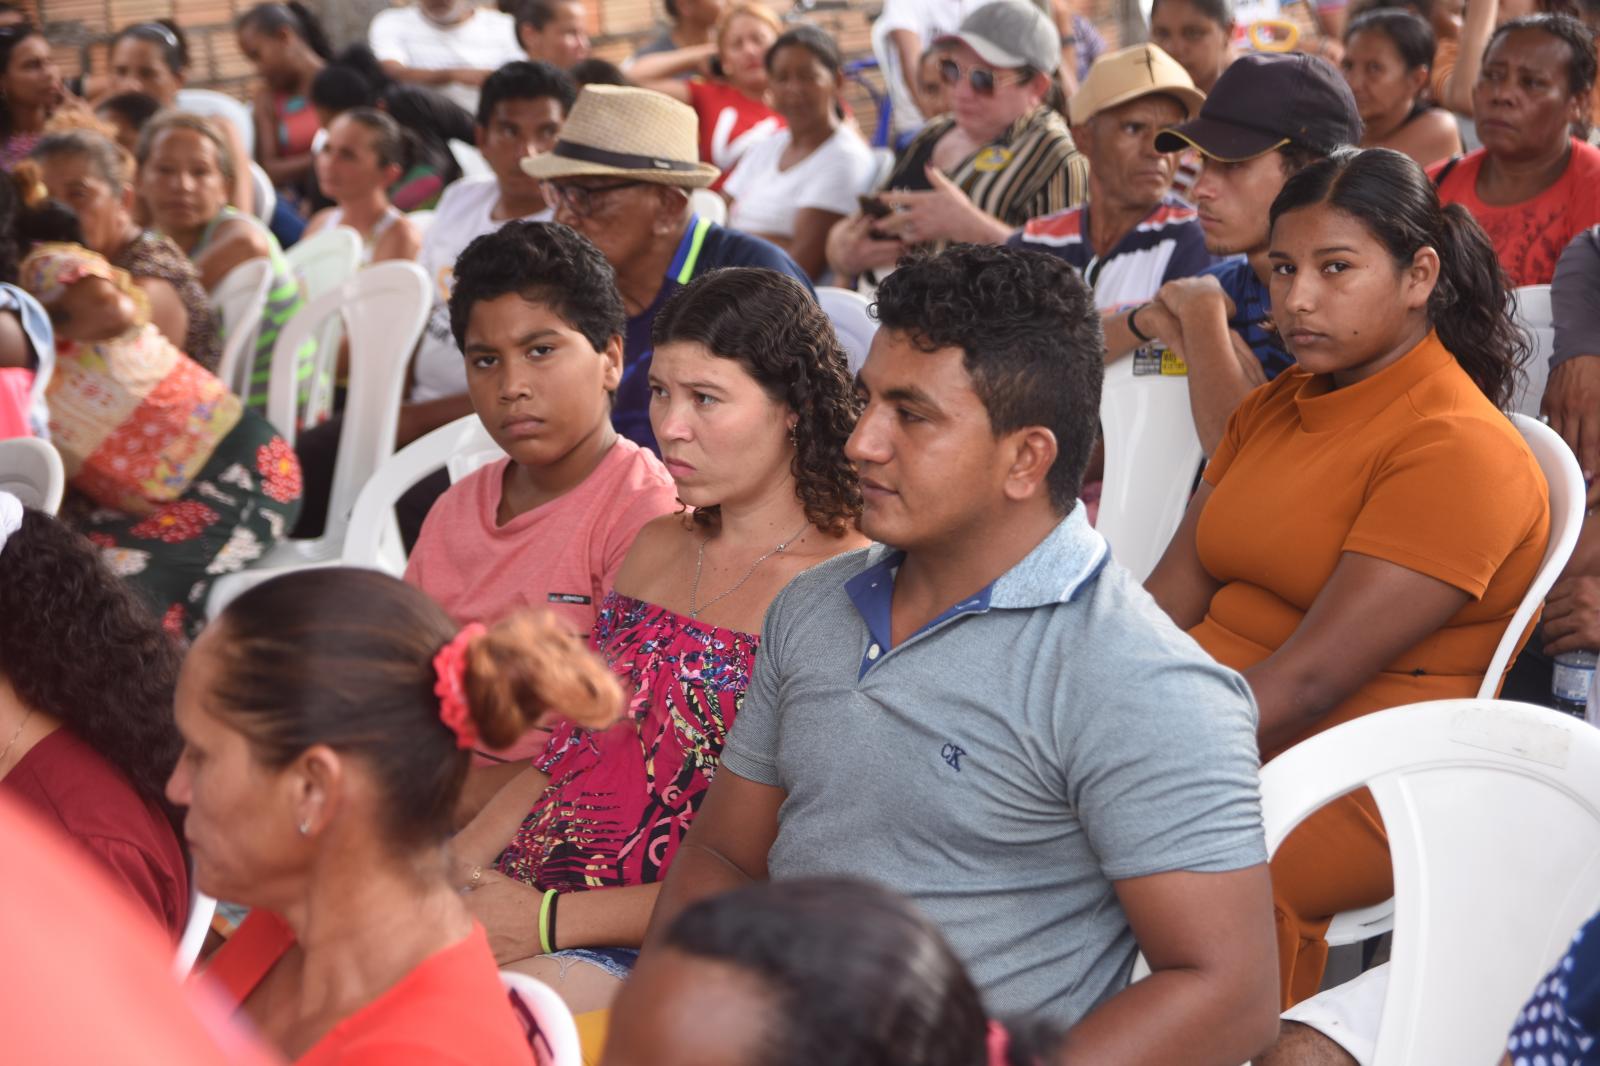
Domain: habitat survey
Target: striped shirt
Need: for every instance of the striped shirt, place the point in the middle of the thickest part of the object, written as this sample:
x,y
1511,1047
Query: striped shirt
x,y
1031,169
1168,243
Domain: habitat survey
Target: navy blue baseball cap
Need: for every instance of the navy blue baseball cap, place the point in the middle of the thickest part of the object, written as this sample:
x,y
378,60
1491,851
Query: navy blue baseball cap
x,y
1266,100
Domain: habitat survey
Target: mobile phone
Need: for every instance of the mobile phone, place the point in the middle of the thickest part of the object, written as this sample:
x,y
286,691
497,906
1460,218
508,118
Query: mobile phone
x,y
873,207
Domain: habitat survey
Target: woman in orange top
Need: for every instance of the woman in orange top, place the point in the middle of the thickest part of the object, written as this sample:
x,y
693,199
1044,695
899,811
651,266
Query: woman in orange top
x,y
1371,519
327,719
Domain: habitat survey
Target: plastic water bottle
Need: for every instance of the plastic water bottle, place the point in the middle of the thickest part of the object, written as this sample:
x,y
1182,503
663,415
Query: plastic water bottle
x,y
1569,684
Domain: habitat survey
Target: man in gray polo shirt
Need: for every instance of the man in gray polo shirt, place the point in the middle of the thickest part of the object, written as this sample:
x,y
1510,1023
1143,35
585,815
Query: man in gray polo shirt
x,y
991,716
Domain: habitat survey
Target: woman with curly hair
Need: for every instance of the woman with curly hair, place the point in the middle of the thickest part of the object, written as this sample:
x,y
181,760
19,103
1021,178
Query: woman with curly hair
x,y
88,740
752,405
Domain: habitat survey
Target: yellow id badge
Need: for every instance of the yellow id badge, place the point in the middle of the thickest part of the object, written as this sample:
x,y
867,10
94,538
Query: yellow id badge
x,y
1158,360
991,159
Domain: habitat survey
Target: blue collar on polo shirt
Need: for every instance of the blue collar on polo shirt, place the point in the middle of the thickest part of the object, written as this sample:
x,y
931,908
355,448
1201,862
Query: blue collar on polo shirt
x,y
1065,561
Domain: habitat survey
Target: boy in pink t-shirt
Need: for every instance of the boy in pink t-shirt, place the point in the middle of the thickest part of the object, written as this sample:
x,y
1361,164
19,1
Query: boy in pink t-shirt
x,y
537,314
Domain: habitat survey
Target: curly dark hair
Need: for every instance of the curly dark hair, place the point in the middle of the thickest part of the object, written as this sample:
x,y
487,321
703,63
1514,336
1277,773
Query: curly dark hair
x,y
1030,338
543,262
79,644
1471,306
770,325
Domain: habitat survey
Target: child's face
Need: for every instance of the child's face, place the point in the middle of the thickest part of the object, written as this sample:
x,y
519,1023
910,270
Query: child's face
x,y
537,384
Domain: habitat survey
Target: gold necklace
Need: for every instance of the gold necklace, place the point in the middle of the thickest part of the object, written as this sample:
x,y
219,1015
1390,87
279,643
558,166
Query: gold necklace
x,y
700,561
13,741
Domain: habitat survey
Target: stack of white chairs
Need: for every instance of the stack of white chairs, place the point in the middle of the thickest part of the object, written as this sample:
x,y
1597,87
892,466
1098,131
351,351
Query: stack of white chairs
x,y
239,301
383,309
323,262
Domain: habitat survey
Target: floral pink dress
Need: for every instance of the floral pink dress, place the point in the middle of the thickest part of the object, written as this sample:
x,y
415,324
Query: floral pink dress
x,y
620,800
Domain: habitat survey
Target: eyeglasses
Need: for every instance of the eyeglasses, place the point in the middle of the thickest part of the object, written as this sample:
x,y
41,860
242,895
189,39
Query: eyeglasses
x,y
580,199
981,79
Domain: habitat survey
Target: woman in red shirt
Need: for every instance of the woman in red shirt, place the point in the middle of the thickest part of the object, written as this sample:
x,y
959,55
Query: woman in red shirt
x,y
327,719
1533,186
86,682
732,103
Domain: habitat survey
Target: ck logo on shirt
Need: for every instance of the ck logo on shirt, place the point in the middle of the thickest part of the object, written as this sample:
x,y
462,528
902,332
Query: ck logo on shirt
x,y
953,754
569,597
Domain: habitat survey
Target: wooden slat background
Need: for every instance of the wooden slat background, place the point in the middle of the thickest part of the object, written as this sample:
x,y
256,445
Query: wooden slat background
x,y
79,29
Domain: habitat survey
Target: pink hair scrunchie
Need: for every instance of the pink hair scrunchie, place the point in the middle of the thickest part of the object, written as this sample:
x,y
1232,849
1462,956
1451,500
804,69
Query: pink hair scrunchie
x,y
450,685
999,1045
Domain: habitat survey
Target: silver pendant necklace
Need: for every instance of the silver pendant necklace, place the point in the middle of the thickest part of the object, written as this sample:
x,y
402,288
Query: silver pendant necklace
x,y
695,607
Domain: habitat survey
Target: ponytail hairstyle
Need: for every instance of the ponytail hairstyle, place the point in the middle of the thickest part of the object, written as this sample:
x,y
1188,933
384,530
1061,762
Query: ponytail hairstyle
x,y
59,601
344,658
166,35
1471,305
856,976
770,325
289,15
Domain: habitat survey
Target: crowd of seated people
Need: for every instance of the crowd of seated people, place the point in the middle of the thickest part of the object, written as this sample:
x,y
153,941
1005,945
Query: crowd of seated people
x,y
771,704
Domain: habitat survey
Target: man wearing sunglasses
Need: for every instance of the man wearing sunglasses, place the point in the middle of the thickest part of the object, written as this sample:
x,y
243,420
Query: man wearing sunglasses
x,y
1001,157
621,175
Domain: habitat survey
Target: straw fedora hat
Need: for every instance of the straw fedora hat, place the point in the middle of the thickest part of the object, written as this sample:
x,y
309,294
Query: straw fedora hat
x,y
622,132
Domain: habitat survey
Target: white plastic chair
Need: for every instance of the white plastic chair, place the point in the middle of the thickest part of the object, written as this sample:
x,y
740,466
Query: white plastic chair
x,y
1567,504
239,301
384,308
322,262
469,159
372,539
1535,316
552,1034
201,909
211,103
709,205
31,470
1493,815
851,315
1152,455
266,197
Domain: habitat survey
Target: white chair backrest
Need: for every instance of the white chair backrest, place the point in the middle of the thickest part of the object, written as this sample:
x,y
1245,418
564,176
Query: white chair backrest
x,y
384,308
201,908
709,205
211,103
1535,316
1567,505
1493,815
1152,456
266,197
421,220
372,539
31,470
469,159
323,262
851,315
239,301
552,1034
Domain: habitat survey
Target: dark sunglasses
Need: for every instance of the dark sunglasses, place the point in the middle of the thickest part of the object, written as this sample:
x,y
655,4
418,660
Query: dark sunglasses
x,y
981,79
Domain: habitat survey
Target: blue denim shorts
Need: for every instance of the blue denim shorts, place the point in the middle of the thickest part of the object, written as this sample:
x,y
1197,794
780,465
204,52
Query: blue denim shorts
x,y
616,962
